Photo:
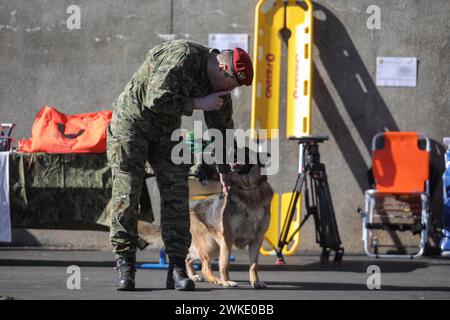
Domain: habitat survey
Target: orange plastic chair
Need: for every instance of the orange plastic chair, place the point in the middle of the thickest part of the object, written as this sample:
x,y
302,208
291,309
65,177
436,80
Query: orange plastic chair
x,y
401,172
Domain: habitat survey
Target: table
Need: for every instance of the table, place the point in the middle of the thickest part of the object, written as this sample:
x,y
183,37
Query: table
x,y
63,191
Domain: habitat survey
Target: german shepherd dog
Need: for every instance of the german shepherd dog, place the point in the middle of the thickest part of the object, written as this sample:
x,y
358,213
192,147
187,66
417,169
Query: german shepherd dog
x,y
239,218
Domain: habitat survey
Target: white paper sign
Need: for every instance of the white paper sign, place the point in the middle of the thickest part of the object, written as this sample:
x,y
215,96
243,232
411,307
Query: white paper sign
x,y
396,72
224,41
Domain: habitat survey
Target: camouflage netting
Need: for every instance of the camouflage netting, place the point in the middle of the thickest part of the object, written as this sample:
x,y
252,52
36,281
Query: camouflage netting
x,y
63,191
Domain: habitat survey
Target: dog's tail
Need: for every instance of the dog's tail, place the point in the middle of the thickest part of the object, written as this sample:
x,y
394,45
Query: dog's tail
x,y
149,236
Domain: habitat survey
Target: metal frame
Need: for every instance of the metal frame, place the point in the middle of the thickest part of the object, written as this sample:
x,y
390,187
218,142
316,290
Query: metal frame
x,y
369,205
318,203
6,136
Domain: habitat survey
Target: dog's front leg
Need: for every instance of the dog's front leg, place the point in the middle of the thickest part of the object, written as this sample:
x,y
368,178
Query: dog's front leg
x,y
191,271
207,272
224,264
253,253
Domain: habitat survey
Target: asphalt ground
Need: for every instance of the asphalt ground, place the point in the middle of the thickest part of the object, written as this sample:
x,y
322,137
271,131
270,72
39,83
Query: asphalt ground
x,y
44,275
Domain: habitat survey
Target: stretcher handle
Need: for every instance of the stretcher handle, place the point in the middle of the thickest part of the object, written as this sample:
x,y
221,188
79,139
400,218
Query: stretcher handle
x,y
9,126
308,2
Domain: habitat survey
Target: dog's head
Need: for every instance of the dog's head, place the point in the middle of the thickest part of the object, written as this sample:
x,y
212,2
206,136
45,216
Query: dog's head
x,y
247,171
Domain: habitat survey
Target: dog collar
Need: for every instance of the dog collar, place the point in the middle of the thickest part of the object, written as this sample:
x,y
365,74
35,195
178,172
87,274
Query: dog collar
x,y
248,188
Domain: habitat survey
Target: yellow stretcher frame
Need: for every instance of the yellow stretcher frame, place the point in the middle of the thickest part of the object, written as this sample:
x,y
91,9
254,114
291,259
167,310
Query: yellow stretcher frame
x,y
267,67
299,85
272,16
278,216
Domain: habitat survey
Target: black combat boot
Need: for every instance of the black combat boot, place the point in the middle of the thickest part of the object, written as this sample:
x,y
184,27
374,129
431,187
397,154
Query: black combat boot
x,y
177,277
125,267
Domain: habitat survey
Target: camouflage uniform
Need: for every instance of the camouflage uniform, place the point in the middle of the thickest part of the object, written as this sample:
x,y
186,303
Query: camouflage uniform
x,y
144,116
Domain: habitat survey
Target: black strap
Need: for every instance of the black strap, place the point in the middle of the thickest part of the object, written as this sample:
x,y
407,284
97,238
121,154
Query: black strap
x,y
62,129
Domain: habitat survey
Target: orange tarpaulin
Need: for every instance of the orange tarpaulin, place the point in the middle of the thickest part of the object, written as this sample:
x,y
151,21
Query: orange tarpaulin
x,y
56,132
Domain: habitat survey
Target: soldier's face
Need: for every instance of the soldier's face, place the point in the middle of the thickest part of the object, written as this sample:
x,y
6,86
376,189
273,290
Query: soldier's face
x,y
228,81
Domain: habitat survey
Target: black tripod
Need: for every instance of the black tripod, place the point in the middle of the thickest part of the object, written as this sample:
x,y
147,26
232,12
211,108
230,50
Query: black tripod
x,y
318,203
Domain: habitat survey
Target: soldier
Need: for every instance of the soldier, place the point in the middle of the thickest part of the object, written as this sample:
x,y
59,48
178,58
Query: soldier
x,y
176,78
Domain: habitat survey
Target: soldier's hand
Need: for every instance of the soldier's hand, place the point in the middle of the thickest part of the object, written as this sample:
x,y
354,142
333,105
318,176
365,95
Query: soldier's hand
x,y
211,102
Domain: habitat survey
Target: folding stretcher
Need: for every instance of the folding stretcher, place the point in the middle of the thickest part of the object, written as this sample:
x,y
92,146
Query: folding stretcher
x,y
400,200
273,17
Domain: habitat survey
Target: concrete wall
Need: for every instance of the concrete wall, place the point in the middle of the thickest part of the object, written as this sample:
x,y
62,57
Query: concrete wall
x,y
44,63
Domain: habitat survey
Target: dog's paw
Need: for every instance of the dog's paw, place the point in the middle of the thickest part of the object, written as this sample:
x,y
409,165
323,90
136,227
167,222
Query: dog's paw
x,y
258,284
228,284
197,278
215,281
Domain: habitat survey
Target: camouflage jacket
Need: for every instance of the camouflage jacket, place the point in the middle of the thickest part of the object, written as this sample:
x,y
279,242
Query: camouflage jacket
x,y
164,88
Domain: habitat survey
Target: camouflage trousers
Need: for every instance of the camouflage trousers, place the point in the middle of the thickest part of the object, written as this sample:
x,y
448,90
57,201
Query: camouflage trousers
x,y
127,151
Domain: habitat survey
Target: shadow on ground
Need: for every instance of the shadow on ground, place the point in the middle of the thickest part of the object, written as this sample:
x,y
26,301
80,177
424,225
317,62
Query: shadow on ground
x,y
327,286
348,266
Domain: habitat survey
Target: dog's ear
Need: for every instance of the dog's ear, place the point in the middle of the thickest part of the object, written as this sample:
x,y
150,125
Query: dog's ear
x,y
252,157
245,155
263,158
